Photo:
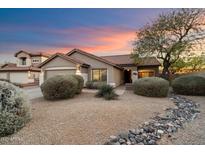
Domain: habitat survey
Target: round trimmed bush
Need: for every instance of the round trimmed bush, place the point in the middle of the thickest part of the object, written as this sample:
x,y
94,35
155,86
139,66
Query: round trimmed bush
x,y
189,85
59,87
151,87
80,83
15,110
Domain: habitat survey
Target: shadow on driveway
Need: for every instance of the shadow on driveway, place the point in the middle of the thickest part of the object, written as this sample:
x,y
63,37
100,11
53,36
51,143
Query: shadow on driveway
x,y
33,92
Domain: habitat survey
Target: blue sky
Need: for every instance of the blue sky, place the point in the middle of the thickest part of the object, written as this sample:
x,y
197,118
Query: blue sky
x,y
99,31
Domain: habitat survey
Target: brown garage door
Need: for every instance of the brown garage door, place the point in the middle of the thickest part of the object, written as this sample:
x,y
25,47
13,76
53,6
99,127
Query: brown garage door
x,y
51,73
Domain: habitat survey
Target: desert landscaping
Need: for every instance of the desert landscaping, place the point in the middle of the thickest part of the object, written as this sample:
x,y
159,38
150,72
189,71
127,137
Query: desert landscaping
x,y
85,119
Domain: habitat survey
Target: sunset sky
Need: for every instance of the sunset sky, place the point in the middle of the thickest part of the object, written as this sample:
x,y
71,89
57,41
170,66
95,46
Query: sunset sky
x,y
98,31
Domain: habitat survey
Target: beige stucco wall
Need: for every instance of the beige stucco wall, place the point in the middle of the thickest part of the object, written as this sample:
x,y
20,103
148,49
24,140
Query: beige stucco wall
x,y
43,59
118,76
84,70
40,58
113,73
131,68
58,62
36,58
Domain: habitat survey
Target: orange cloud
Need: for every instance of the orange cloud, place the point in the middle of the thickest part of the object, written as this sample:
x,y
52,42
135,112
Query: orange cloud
x,y
97,40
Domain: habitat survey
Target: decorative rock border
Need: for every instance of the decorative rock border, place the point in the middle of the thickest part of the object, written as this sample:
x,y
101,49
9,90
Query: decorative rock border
x,y
147,134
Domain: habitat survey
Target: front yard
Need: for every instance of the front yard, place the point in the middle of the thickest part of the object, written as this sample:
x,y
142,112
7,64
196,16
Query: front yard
x,y
85,119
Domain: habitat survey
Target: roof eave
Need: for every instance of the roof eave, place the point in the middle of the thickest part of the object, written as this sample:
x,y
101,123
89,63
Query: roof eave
x,y
93,56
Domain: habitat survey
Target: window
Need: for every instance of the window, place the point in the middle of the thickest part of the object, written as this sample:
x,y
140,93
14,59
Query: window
x,y
35,61
99,74
23,61
147,73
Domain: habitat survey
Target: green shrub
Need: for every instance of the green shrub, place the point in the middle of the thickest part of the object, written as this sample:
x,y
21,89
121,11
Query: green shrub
x,y
98,84
94,84
107,92
110,96
151,87
6,80
59,87
15,110
189,85
89,84
80,83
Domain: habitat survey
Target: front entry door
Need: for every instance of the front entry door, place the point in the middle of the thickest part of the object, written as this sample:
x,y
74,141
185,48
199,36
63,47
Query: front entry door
x,y
127,76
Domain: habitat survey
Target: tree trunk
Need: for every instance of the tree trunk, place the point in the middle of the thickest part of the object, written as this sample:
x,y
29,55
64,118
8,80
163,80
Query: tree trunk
x,y
165,71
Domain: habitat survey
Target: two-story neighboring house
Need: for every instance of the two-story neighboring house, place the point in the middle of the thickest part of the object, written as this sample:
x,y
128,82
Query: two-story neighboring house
x,y
25,70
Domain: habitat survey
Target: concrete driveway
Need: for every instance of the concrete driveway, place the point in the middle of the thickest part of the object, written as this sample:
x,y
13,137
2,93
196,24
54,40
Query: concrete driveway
x,y
33,92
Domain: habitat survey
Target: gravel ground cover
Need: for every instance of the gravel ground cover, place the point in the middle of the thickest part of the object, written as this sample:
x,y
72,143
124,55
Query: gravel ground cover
x,y
192,133
86,119
168,123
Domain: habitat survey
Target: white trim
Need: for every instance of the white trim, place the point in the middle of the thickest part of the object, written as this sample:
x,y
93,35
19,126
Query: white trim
x,y
107,76
41,78
91,74
61,68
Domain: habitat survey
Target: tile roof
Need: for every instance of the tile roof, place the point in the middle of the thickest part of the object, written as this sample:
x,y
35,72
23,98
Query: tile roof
x,y
119,59
22,69
8,65
127,60
13,67
149,61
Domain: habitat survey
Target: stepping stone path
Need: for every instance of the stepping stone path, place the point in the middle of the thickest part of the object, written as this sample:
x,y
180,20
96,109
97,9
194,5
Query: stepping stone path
x,y
150,132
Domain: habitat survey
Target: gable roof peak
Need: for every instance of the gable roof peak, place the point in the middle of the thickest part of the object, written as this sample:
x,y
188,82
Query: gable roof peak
x,y
93,56
76,61
32,54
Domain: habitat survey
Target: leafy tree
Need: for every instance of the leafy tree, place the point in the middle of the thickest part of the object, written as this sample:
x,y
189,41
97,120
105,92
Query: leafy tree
x,y
190,62
178,65
196,63
170,36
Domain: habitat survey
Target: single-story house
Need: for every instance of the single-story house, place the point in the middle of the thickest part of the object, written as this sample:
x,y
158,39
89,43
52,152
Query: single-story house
x,y
114,70
25,70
